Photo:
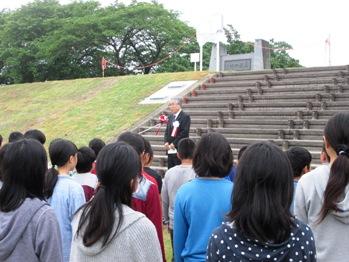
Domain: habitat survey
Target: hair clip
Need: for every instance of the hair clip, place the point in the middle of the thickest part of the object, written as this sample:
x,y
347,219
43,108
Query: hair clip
x,y
343,153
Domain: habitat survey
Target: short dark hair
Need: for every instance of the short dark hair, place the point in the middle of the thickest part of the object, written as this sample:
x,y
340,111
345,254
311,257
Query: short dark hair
x,y
134,140
213,156
1,140
36,134
60,150
299,158
96,144
15,136
86,157
241,151
262,195
148,150
22,180
186,147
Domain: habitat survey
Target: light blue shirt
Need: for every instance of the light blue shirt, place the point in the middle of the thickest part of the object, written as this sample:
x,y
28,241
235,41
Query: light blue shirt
x,y
201,205
68,196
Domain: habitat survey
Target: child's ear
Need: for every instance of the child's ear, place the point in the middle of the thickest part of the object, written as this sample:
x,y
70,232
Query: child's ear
x,y
305,170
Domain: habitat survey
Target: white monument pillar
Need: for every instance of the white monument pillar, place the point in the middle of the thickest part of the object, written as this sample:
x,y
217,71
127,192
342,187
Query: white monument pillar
x,y
201,56
218,60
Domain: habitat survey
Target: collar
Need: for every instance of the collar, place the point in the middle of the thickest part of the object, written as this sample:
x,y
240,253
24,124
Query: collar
x,y
176,114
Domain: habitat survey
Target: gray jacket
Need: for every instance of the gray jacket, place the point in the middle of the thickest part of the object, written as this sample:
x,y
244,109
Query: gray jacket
x,y
136,240
30,233
332,234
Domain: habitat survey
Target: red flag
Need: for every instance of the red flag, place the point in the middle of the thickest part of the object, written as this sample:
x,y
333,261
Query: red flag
x,y
104,63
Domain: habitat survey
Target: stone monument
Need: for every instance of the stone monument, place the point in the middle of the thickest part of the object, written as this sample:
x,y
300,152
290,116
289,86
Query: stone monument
x,y
258,60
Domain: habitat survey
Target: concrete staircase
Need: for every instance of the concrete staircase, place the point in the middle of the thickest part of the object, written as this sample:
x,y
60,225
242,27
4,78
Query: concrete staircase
x,y
287,106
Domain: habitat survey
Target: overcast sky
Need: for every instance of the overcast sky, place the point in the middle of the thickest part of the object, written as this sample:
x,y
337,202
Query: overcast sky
x,y
305,24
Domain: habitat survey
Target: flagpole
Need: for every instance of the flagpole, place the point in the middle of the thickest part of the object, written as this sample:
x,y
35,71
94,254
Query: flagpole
x,y
329,50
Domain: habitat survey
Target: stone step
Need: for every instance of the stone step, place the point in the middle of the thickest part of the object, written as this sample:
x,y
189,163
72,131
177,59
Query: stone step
x,y
330,88
248,132
261,105
225,114
273,83
311,145
283,76
258,123
290,96
287,71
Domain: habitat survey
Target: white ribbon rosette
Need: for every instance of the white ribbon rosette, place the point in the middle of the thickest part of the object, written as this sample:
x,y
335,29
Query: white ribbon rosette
x,y
175,128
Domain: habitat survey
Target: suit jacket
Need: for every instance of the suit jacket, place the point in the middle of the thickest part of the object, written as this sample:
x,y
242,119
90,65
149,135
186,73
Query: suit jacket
x,y
183,129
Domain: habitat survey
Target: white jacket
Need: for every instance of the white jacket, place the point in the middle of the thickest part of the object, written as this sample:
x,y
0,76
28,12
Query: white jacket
x,y
331,234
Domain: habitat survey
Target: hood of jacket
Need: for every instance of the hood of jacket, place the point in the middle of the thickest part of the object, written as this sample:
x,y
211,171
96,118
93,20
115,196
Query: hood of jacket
x,y
13,224
130,218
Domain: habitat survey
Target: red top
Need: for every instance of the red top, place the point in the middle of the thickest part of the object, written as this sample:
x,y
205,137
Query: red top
x,y
147,201
152,179
93,170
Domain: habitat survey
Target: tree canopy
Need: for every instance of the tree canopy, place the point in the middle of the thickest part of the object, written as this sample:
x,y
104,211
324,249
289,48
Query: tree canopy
x,y
45,40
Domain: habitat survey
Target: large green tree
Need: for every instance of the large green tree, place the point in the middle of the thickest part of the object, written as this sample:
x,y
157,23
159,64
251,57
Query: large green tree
x,y
45,40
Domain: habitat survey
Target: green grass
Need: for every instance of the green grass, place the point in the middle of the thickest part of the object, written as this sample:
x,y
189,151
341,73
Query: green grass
x,y
167,243
84,108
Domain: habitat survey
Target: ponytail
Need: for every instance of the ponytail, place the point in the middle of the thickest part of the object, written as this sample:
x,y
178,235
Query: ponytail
x,y
337,182
51,181
99,216
118,164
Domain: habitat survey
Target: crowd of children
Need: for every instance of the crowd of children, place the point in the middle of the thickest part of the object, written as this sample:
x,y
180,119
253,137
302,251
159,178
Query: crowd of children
x,y
105,203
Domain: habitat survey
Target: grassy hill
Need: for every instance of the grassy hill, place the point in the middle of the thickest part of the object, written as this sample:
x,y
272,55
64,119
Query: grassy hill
x,y
84,108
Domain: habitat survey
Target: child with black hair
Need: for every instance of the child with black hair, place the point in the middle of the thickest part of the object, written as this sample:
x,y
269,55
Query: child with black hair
x,y
29,228
300,159
147,159
233,169
146,198
88,181
322,195
260,226
64,194
174,178
201,204
106,228
15,136
36,134
96,144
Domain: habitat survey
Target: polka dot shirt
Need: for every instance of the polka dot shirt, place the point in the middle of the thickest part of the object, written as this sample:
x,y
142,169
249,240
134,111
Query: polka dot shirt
x,y
227,244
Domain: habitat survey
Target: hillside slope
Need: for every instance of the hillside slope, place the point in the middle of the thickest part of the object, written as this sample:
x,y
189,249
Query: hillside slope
x,y
84,108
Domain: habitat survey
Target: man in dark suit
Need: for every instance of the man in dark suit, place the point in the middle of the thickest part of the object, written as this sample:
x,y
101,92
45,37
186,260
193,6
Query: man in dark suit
x,y
177,128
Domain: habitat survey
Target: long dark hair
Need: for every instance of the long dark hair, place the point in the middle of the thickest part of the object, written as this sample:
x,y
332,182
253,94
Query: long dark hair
x,y
60,151
337,136
23,168
117,164
262,194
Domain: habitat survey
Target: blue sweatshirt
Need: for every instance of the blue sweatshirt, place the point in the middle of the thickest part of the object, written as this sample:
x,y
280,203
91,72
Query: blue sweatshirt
x,y
68,196
201,205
